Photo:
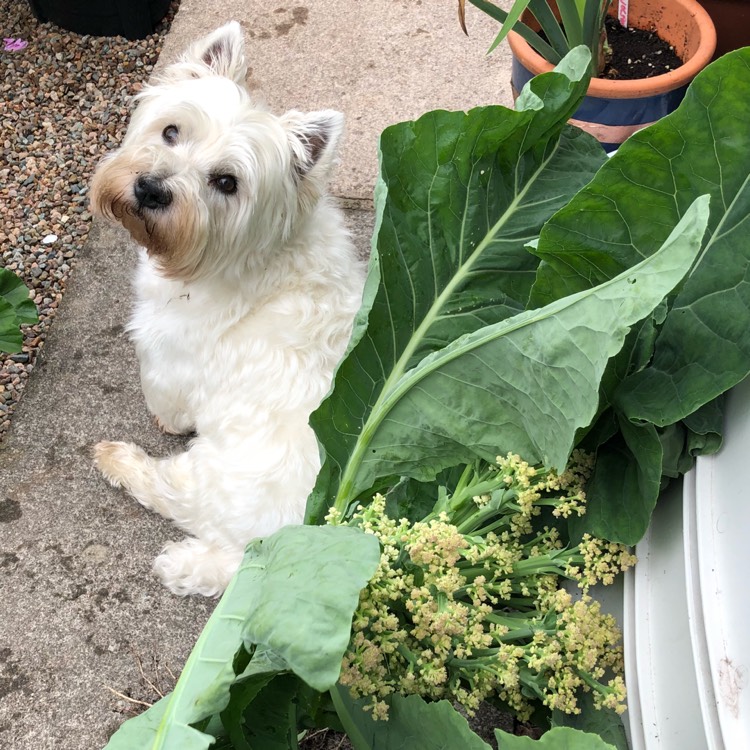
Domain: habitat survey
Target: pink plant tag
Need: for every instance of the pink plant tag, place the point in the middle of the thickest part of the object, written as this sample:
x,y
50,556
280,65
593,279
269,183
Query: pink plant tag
x,y
622,13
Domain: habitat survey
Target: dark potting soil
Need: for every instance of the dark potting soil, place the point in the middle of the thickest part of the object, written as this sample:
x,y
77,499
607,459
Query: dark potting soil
x,y
637,53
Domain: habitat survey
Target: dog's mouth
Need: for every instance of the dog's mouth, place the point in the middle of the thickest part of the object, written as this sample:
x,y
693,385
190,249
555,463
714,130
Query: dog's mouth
x,y
141,225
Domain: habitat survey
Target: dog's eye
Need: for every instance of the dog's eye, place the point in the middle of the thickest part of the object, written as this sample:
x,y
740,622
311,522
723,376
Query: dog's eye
x,y
169,134
224,183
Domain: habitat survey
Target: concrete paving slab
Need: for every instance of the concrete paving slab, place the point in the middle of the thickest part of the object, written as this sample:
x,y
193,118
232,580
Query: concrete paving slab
x,y
377,61
80,606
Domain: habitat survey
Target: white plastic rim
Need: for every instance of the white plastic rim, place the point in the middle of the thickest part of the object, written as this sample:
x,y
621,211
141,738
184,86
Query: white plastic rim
x,y
686,606
664,705
633,718
722,530
697,620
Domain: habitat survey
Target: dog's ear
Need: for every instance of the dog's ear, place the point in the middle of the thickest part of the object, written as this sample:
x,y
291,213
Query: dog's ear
x,y
314,139
221,53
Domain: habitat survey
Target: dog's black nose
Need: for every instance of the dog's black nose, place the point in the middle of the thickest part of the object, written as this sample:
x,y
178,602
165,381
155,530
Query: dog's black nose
x,y
151,193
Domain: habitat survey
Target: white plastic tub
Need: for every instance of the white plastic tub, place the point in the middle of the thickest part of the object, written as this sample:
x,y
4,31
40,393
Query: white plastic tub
x,y
663,692
686,606
722,532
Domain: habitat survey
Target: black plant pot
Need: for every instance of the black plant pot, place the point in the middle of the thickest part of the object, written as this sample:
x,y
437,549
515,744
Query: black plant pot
x,y
134,19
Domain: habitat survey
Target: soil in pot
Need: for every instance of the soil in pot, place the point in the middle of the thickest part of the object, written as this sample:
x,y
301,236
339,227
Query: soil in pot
x,y
637,53
133,19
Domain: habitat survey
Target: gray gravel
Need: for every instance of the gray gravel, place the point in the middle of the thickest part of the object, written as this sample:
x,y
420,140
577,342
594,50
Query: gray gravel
x,y
65,103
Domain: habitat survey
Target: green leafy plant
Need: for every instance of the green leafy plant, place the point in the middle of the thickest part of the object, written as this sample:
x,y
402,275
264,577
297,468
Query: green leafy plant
x,y
660,403
559,738
16,309
514,304
577,22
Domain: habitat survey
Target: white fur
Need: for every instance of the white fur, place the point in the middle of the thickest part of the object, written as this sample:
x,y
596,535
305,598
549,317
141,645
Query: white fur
x,y
239,325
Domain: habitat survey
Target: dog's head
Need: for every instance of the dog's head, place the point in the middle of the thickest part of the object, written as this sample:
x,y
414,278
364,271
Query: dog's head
x,y
207,181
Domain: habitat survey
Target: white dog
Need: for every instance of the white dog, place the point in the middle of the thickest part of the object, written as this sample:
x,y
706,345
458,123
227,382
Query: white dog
x,y
246,289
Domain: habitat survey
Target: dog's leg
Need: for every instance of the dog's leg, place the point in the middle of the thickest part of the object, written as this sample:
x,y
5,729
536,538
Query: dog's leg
x,y
164,394
266,489
166,486
195,567
156,484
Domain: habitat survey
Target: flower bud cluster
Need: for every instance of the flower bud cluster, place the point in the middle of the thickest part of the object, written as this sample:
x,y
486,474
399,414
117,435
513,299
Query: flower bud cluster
x,y
467,603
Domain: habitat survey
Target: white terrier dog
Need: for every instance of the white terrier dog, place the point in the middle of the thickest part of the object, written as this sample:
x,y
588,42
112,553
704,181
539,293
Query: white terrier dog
x,y
246,288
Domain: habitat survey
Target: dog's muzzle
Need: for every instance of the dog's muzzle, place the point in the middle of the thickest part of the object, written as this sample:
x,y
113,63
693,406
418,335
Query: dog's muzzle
x,y
150,192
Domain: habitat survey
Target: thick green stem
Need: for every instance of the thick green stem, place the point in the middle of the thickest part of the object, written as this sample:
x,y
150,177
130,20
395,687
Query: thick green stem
x,y
545,564
593,683
501,523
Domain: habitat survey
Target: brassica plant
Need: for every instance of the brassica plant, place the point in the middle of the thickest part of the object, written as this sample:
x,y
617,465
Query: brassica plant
x,y
514,304
467,603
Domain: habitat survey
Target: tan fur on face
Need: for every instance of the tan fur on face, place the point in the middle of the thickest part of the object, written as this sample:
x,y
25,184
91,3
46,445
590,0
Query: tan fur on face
x,y
170,235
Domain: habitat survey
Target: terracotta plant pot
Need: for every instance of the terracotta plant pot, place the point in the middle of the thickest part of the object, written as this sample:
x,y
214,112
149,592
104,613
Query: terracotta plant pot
x,y
614,110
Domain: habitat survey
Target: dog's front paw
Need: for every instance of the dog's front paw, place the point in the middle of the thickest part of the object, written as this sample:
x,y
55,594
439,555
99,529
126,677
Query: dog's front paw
x,y
116,461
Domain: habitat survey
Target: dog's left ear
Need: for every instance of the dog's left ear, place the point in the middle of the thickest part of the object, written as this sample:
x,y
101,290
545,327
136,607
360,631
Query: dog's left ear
x,y
314,139
220,53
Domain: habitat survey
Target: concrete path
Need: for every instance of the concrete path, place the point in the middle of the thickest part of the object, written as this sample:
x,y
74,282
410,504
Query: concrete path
x,y
85,629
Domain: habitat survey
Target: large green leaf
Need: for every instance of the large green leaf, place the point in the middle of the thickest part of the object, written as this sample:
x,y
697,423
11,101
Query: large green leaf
x,y
525,384
15,309
315,570
559,738
625,485
261,670
139,732
271,718
14,291
603,722
703,347
11,339
412,724
303,585
459,197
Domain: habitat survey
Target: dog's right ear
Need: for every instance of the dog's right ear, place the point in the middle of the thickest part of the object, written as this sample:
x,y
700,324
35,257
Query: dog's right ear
x,y
221,53
314,141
